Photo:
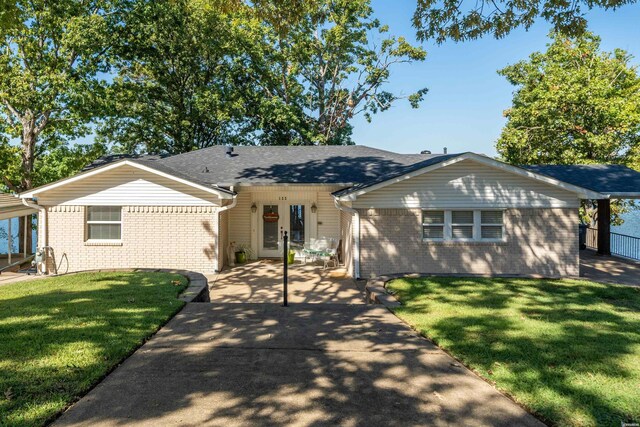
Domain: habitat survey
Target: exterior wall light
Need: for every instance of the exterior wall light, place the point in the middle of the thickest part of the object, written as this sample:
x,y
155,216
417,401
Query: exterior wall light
x,y
254,208
314,208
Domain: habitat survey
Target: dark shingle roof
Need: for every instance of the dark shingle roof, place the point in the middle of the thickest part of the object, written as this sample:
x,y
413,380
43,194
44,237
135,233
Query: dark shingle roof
x,y
432,160
346,165
615,180
355,167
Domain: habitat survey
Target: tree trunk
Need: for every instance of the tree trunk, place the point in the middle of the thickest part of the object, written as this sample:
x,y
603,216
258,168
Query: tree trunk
x,y
28,152
29,137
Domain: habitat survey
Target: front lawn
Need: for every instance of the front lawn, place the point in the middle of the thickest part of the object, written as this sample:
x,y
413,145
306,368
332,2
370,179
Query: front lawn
x,y
567,350
60,335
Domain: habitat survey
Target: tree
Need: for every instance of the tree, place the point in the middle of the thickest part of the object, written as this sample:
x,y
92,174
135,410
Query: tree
x,y
321,63
49,62
50,55
199,73
573,104
460,20
178,88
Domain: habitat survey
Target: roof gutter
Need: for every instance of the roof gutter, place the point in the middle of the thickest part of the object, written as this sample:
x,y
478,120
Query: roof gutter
x,y
233,203
356,235
42,218
42,222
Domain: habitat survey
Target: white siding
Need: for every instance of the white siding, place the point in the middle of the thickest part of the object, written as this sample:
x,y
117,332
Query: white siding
x,y
328,216
127,185
468,184
240,220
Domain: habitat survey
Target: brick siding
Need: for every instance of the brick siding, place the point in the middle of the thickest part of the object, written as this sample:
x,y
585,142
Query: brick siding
x,y
539,242
152,237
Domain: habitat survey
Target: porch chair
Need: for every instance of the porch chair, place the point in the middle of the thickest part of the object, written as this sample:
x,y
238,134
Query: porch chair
x,y
322,249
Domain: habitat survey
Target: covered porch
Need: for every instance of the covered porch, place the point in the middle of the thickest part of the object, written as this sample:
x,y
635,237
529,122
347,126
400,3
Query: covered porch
x,y
611,181
257,220
609,269
18,251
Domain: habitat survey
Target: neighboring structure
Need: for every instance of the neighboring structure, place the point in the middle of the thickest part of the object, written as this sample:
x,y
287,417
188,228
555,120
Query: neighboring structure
x,y
394,213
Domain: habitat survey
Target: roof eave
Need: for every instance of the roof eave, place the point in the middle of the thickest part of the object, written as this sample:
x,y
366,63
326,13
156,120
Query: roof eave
x,y
581,192
220,192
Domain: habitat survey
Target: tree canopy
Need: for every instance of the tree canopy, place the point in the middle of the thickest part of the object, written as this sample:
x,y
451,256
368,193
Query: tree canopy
x,y
574,104
179,85
194,73
51,54
467,20
322,64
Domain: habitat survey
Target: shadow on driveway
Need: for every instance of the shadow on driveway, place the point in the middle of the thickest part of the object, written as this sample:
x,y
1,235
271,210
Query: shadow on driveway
x,y
308,364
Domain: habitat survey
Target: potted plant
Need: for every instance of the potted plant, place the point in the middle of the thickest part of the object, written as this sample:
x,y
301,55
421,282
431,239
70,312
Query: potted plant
x,y
243,252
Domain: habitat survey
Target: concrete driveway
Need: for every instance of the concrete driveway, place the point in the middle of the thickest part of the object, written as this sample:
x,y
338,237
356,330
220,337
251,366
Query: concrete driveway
x,y
233,364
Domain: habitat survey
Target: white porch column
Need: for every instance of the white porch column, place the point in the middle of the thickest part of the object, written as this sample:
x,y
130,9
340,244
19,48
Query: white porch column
x,y
24,246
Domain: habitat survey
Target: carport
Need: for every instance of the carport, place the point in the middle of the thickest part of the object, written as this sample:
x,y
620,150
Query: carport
x,y
612,181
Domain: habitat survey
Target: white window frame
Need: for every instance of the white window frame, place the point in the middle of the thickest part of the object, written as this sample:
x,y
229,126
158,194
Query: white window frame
x,y
89,223
477,226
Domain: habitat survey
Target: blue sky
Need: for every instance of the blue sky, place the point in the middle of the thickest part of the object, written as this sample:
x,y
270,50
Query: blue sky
x,y
463,109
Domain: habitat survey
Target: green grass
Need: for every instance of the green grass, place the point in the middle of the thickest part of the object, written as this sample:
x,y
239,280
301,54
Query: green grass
x,y
61,335
567,350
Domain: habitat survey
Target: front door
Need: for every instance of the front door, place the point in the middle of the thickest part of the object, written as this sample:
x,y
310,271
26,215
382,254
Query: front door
x,y
275,219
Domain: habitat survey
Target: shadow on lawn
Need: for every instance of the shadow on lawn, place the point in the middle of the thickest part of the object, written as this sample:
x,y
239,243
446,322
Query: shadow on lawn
x,y
58,342
549,335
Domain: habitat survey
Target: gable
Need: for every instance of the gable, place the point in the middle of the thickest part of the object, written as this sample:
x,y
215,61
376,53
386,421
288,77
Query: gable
x,y
127,185
468,184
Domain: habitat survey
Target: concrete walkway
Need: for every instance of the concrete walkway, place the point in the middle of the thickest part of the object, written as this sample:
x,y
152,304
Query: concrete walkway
x,y
608,269
8,277
306,365
261,282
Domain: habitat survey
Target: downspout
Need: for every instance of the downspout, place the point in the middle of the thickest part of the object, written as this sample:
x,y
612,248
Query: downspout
x,y
233,204
42,220
356,236
42,217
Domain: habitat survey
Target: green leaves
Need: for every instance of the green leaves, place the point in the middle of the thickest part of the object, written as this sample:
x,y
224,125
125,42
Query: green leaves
x,y
573,104
50,57
460,20
330,64
272,73
180,83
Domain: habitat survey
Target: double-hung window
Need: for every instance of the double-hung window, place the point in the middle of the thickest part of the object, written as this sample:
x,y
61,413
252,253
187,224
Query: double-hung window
x,y
463,225
491,225
433,225
104,222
